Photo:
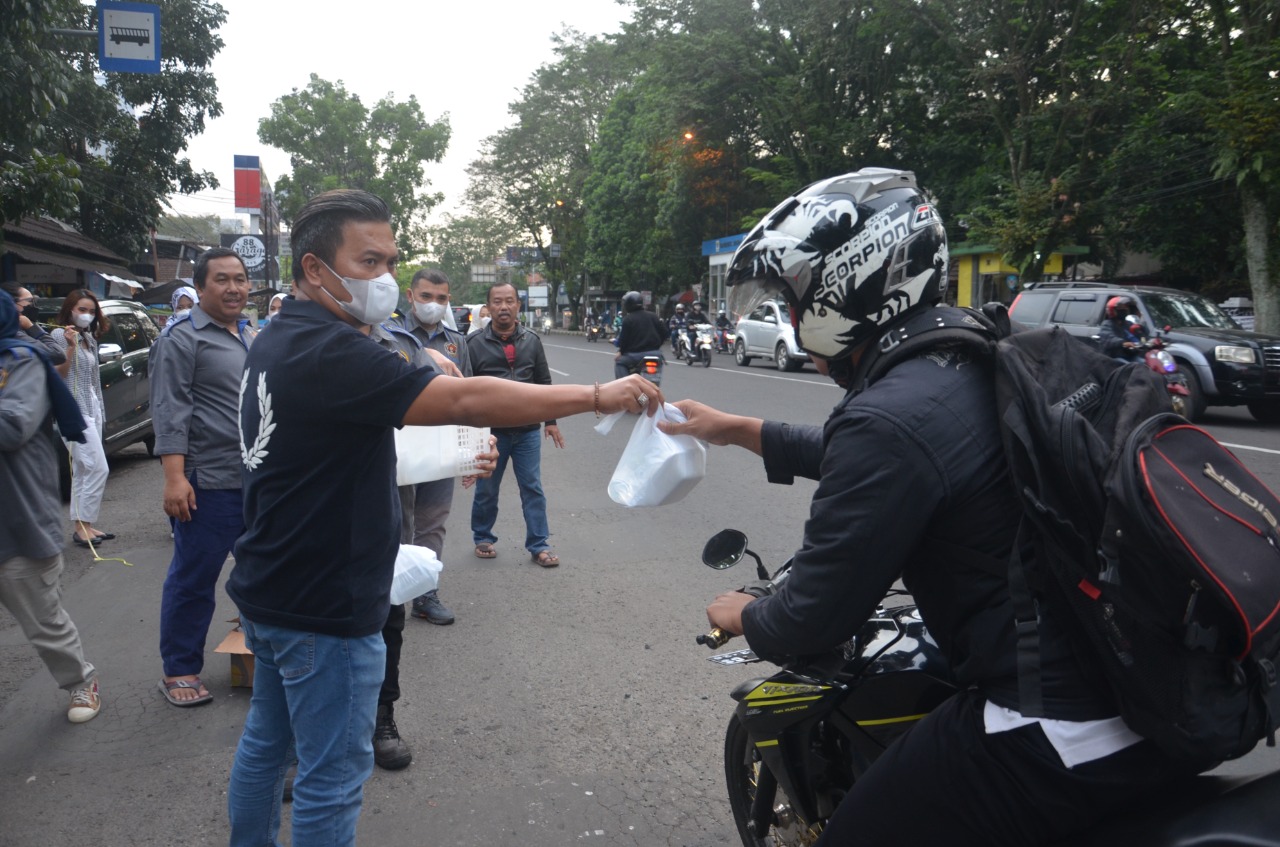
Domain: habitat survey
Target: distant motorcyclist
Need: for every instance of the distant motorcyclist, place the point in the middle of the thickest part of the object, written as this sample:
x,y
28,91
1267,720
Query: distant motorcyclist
x,y
1120,335
641,334
678,323
697,315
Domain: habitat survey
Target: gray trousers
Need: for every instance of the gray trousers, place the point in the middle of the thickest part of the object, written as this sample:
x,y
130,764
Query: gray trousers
x,y
431,504
32,592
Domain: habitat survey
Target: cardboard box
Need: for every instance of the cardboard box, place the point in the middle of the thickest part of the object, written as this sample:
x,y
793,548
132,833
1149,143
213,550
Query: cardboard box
x,y
241,657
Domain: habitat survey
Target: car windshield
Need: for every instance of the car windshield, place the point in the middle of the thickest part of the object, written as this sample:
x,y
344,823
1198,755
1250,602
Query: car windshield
x,y
1184,310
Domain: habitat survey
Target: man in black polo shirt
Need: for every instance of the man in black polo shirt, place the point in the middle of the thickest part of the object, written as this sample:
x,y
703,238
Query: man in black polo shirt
x,y
318,402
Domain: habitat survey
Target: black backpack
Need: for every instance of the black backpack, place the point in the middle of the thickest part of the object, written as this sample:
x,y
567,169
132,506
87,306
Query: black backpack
x,y
1159,540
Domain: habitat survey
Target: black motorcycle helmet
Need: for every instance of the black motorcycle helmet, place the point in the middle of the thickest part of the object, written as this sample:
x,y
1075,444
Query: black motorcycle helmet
x,y
632,301
849,254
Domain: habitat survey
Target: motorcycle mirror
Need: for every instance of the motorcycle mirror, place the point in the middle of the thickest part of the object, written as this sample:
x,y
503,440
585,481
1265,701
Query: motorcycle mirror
x,y
724,549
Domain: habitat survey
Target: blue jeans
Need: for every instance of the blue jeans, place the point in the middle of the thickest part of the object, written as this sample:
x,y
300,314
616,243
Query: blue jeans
x,y
200,548
524,450
320,693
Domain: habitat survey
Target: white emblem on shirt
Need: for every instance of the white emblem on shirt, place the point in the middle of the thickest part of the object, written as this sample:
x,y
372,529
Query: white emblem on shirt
x,y
253,456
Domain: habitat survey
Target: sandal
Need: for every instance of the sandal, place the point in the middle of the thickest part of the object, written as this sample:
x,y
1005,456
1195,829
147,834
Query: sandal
x,y
485,550
545,558
167,688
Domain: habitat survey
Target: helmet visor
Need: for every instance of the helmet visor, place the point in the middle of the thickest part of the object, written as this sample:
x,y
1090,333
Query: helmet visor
x,y
746,296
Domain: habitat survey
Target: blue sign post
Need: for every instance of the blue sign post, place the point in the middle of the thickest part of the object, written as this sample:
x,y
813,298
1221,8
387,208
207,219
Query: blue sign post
x,y
129,37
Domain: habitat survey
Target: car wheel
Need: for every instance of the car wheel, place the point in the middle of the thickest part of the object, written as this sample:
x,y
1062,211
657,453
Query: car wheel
x,y
1195,394
1265,411
150,443
740,353
783,361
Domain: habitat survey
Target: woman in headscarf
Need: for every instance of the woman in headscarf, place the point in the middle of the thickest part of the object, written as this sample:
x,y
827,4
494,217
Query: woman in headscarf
x,y
80,324
184,297
274,306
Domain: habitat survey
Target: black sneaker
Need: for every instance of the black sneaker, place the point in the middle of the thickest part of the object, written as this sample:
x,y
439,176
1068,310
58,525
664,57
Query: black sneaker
x,y
429,608
389,751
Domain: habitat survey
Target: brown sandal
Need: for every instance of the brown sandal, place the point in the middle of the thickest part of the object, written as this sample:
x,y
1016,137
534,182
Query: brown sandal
x,y
545,558
485,551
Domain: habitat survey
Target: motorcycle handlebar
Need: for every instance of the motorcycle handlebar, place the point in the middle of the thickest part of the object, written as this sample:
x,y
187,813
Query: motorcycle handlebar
x,y
715,638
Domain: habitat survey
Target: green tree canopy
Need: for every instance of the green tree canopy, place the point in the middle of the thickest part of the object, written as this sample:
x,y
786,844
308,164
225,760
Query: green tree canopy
x,y
335,141
121,134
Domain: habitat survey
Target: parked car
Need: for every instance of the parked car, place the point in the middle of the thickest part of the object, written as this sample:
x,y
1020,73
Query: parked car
x,y
767,333
1224,364
123,352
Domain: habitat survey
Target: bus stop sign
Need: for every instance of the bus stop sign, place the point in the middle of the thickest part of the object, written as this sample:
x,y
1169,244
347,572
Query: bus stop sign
x,y
129,37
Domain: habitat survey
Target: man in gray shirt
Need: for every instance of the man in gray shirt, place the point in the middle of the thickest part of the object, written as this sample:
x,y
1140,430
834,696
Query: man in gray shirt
x,y
31,521
432,501
195,369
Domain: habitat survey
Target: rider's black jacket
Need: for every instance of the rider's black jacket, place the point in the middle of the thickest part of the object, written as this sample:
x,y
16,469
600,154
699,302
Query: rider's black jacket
x,y
642,331
909,471
1111,339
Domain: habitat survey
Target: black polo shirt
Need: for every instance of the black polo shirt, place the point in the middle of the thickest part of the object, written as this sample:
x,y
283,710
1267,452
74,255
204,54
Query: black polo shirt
x,y
318,403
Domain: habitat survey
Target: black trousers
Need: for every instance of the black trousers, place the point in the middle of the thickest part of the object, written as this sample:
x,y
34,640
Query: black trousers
x,y
393,636
946,782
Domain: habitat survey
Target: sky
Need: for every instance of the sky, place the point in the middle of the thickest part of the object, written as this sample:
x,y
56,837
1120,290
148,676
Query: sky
x,y
467,59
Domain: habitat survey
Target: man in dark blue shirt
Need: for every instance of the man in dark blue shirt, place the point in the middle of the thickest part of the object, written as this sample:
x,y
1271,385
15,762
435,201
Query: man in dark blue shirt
x,y
318,402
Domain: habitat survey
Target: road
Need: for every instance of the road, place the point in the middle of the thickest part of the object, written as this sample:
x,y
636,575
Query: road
x,y
565,706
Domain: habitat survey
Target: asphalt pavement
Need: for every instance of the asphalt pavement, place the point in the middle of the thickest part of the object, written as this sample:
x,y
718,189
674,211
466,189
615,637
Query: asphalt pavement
x,y
565,706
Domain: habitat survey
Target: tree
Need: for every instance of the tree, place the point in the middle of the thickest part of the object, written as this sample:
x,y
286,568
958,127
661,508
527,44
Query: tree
x,y
458,242
121,134
202,229
334,141
34,79
531,174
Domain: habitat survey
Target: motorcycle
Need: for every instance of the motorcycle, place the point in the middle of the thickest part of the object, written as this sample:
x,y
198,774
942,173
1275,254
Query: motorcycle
x,y
595,332
1162,362
701,347
650,367
800,738
724,340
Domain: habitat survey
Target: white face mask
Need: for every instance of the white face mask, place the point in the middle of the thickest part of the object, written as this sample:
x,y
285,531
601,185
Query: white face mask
x,y
372,300
181,313
429,314
83,320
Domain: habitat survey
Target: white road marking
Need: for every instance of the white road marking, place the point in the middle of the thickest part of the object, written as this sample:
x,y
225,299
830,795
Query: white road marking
x,y
1256,449
737,371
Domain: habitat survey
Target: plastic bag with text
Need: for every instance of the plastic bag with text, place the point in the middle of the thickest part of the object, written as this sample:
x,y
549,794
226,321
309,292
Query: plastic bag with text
x,y
417,572
655,469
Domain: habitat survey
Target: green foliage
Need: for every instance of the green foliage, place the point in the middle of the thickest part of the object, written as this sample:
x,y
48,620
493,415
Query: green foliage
x,y
335,141
202,229
457,243
34,78
1119,125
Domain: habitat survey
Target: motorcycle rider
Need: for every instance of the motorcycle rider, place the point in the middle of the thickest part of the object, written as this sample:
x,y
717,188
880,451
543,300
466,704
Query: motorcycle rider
x,y
723,325
697,315
678,324
641,334
913,485
1120,336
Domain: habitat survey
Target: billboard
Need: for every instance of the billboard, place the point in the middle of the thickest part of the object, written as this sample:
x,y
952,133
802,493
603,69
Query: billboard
x,y
248,185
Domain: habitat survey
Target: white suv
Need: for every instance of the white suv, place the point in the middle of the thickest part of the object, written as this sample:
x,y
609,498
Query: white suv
x,y
767,333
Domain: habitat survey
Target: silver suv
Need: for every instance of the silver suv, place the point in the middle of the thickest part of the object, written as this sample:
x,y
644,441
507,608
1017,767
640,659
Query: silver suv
x,y
767,333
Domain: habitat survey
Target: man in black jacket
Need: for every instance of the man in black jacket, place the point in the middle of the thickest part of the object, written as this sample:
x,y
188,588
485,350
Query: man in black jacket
x,y
910,472
641,335
507,350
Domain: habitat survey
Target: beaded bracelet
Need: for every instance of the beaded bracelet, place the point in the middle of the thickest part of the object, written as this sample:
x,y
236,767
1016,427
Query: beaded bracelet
x,y
597,402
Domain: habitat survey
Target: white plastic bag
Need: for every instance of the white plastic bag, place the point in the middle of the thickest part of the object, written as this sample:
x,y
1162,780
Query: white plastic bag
x,y
417,572
424,453
655,468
